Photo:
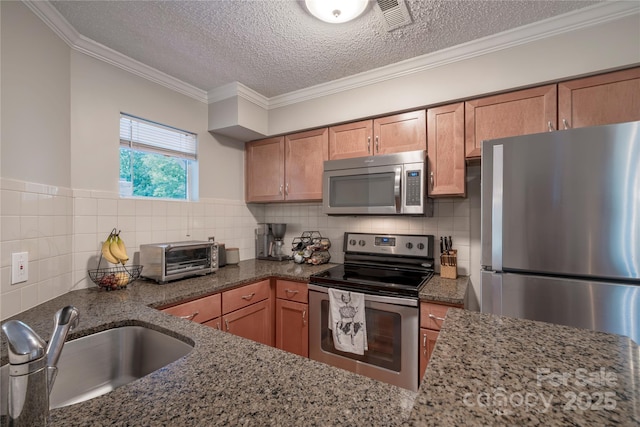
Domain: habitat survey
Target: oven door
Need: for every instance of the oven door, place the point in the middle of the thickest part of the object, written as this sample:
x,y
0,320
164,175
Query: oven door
x,y
392,338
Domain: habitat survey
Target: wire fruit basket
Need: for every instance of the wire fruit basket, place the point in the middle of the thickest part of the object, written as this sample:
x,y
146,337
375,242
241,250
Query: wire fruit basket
x,y
114,278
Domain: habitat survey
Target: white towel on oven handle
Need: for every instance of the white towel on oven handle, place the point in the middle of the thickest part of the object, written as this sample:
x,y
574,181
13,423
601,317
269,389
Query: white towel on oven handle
x,y
347,321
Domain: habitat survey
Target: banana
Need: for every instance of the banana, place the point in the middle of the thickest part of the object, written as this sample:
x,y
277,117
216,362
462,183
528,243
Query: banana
x,y
123,249
106,252
116,252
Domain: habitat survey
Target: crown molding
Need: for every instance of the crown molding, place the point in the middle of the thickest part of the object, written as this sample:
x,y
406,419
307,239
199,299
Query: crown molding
x,y
237,89
583,18
54,20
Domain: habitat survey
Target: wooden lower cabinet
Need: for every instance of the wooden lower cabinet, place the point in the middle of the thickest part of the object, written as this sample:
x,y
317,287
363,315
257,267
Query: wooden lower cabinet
x,y
292,327
252,322
431,318
428,339
214,323
202,310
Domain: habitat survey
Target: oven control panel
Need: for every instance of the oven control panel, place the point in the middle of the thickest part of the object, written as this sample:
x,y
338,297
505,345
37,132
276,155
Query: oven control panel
x,y
397,244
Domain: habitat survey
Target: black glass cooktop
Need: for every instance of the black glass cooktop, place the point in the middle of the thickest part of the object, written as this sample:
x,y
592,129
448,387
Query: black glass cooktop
x,y
374,280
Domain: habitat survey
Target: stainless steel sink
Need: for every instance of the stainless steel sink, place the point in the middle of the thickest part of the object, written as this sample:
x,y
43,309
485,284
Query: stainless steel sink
x,y
96,364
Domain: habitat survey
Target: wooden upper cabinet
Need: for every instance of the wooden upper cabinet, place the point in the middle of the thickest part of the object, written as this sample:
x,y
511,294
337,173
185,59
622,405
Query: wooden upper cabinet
x,y
509,114
264,170
445,151
305,153
384,135
400,132
350,140
600,100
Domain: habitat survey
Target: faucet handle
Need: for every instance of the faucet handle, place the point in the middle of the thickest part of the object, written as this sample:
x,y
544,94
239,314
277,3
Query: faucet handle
x,y
24,344
64,321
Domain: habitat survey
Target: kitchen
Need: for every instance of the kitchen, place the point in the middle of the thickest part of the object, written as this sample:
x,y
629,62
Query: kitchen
x,y
70,92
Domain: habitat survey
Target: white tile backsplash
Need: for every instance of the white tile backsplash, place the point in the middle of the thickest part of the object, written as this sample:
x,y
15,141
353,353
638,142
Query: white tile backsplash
x,y
63,229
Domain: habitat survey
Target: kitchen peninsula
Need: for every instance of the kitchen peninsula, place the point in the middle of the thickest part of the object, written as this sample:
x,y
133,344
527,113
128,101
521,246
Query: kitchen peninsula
x,y
227,380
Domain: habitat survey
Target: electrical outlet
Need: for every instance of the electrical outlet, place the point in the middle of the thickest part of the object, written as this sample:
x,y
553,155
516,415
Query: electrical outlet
x,y
19,267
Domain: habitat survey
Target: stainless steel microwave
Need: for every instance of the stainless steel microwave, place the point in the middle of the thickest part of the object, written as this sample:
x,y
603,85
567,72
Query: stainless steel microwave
x,y
164,262
388,184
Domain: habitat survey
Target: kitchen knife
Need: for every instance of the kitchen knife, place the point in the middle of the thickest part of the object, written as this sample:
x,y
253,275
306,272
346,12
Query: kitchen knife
x,y
441,245
450,243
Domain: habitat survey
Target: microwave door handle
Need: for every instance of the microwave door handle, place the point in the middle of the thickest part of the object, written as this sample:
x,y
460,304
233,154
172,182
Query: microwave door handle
x,y
396,189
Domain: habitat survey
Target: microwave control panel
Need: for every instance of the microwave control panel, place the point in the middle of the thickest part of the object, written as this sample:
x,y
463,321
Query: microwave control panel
x,y
413,188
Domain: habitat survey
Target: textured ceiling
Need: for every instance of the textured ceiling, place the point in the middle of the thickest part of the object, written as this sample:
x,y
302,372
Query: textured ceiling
x,y
275,46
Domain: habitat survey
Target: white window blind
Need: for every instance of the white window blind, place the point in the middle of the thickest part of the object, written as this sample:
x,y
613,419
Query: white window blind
x,y
143,135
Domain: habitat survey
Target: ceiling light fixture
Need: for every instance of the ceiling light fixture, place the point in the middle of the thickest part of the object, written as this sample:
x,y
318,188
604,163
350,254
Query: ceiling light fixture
x,y
336,11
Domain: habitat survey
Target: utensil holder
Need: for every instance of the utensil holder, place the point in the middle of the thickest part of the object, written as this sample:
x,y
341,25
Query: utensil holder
x,y
449,264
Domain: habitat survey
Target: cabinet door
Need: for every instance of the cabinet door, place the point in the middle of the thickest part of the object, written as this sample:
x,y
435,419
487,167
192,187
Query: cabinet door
x,y
600,100
200,310
292,328
400,132
264,170
351,140
509,114
214,323
427,344
445,148
305,153
252,322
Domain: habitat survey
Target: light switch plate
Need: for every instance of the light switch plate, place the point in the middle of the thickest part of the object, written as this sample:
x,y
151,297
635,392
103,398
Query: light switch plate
x,y
19,267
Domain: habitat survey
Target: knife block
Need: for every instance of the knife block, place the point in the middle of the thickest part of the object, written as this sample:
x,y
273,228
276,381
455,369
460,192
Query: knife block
x,y
449,264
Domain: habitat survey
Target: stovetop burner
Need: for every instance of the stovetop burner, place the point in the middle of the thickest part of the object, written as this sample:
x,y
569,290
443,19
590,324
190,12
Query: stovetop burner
x,y
383,264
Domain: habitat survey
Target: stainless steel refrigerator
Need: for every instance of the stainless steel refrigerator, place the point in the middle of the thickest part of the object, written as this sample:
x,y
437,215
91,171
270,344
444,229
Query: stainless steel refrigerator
x,y
561,228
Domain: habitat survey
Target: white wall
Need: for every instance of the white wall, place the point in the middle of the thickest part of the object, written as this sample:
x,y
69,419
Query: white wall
x,y
588,50
99,92
35,99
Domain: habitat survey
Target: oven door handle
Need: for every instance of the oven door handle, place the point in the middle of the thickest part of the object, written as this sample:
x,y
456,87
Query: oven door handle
x,y
408,302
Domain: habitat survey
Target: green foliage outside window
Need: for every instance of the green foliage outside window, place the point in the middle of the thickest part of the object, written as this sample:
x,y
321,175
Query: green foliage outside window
x,y
154,175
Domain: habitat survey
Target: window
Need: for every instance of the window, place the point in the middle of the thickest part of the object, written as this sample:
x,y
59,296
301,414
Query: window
x,y
157,161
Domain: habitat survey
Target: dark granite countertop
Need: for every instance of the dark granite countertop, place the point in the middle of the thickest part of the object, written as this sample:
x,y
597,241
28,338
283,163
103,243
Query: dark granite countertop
x,y
227,380
492,370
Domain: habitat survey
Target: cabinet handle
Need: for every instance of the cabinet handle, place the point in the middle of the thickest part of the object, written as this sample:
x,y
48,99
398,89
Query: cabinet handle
x,y
551,129
377,144
248,297
226,324
434,317
369,144
286,189
565,124
304,317
291,291
431,179
218,325
190,316
280,191
424,344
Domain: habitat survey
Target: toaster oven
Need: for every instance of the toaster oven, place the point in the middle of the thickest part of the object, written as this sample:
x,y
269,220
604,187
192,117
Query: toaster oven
x,y
164,262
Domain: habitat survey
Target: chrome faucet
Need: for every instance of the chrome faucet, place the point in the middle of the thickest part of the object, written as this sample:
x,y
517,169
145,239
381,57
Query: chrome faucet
x,y
33,367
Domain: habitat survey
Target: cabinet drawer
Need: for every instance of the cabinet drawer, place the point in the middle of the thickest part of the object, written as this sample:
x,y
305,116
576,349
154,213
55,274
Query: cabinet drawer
x,y
199,310
292,291
432,315
241,297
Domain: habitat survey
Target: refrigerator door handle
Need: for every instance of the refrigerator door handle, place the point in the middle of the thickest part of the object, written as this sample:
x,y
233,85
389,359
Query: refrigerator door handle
x,y
496,207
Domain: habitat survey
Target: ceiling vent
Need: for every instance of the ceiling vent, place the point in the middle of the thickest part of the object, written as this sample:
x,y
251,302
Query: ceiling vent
x,y
394,13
